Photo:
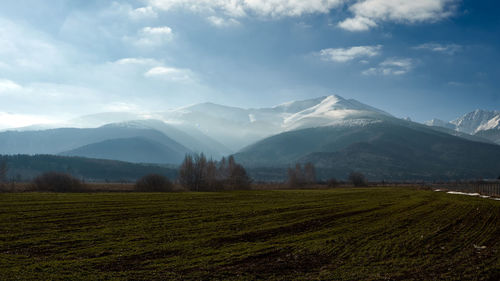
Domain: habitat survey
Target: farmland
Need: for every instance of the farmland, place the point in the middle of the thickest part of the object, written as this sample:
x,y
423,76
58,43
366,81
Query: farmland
x,y
337,234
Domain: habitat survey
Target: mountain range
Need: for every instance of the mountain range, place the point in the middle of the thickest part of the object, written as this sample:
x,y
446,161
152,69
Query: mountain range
x,y
481,123
338,135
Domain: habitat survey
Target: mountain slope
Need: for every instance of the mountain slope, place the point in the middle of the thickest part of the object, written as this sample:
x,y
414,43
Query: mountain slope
x,y
191,138
134,150
382,150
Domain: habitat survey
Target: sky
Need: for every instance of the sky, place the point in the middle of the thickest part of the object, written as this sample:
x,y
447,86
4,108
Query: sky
x,y
420,59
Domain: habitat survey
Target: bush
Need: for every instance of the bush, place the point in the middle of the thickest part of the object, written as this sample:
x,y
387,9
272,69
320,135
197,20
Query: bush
x,y
57,182
332,182
357,179
154,183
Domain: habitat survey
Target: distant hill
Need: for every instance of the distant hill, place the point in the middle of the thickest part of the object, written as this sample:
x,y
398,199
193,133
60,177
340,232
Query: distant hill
x,y
56,141
135,150
26,167
189,137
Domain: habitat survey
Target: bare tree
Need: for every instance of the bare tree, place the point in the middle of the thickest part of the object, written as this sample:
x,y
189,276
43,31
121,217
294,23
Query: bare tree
x,y
357,179
210,177
200,163
199,174
332,182
3,172
295,176
299,176
186,172
309,173
238,178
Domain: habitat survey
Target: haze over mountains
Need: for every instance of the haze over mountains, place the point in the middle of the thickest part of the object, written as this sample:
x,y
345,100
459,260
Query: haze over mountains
x,y
338,135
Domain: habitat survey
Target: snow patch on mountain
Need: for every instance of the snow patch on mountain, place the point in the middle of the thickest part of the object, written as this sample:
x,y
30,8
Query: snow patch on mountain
x,y
492,124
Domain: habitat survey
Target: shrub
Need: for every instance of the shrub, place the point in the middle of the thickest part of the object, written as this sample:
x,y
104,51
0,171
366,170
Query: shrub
x,y
357,179
153,183
332,182
57,182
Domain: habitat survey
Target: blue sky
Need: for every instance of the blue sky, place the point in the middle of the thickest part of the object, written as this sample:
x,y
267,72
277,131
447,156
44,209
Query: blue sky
x,y
422,59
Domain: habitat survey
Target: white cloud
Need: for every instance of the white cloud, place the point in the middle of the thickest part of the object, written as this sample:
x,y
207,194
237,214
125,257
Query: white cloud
x,y
152,36
162,30
449,49
392,66
8,86
137,61
348,54
143,13
13,120
241,8
222,22
368,13
357,24
169,73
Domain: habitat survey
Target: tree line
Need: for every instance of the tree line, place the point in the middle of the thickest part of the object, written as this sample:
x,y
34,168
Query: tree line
x,y
197,173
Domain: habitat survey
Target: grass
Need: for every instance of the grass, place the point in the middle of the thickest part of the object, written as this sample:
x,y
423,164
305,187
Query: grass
x,y
341,234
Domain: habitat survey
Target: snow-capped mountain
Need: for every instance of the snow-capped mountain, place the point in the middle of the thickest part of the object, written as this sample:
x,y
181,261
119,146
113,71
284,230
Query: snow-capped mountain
x,y
481,123
237,127
478,120
333,110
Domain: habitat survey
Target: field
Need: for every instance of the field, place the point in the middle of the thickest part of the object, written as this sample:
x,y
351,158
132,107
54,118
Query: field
x,y
337,234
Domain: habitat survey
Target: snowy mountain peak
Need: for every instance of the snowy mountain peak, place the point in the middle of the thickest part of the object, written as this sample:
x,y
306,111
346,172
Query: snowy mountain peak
x,y
333,110
475,121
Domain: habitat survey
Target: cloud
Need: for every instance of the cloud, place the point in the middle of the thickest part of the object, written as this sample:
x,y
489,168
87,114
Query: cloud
x,y
348,54
357,24
169,73
137,61
241,8
369,13
7,86
12,120
162,30
392,66
152,36
449,49
143,13
222,22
